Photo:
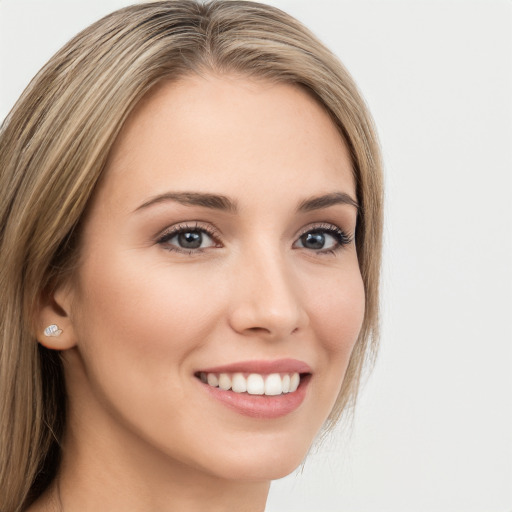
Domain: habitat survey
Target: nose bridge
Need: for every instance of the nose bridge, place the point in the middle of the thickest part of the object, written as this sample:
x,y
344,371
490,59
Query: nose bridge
x,y
267,299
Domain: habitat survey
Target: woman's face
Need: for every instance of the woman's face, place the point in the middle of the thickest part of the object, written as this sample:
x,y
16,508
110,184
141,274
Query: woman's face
x,y
220,241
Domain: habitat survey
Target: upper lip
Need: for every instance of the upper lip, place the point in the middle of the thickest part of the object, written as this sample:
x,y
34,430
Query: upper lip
x,y
262,366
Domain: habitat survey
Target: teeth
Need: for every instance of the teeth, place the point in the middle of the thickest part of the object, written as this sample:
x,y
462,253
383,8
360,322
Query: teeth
x,y
286,384
212,380
255,383
239,383
273,385
294,382
224,381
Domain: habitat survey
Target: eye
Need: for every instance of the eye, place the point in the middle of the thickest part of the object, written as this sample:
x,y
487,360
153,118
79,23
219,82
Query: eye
x,y
323,239
187,239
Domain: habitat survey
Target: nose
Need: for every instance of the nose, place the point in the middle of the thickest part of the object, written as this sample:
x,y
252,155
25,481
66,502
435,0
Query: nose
x,y
267,301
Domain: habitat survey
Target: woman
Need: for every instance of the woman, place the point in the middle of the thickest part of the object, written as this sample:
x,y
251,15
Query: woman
x,y
191,227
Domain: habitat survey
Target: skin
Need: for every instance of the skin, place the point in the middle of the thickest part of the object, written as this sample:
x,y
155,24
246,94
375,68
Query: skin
x,y
140,319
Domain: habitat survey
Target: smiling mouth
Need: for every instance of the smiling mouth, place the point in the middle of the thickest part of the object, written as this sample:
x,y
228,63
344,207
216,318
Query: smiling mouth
x,y
273,384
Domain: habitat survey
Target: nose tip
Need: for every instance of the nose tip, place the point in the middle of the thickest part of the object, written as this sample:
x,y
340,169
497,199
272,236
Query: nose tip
x,y
268,304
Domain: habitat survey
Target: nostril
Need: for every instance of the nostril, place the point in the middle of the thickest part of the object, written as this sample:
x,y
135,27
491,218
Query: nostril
x,y
258,330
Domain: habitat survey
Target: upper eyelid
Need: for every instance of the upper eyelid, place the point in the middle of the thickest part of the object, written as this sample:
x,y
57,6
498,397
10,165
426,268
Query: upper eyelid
x,y
327,226
193,226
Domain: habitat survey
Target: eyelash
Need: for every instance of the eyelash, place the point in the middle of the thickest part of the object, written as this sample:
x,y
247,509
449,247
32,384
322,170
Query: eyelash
x,y
187,228
341,237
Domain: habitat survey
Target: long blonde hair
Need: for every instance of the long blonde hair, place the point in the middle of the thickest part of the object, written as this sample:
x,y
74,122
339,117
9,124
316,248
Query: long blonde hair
x,y
53,148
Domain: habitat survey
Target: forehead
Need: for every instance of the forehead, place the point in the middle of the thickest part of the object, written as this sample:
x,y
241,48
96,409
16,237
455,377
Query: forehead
x,y
214,133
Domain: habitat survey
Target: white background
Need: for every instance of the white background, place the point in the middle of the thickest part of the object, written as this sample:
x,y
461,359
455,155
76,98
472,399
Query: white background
x,y
433,431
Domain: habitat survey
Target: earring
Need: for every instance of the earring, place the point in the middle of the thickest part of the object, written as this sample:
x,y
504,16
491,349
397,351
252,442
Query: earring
x,y
52,330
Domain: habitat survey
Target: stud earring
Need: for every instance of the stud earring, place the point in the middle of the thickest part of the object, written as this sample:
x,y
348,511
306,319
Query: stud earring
x,y
52,330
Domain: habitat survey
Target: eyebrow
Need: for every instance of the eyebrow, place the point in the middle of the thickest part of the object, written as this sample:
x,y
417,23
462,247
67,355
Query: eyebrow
x,y
223,203
214,201
326,200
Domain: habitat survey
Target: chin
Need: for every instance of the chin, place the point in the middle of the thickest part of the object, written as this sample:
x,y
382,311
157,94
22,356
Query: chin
x,y
261,459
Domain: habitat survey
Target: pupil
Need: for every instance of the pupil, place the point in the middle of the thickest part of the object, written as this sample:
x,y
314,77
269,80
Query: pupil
x,y
190,240
313,240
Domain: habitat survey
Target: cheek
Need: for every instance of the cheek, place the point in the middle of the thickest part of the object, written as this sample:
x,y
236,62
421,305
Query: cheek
x,y
337,324
339,313
137,327
140,318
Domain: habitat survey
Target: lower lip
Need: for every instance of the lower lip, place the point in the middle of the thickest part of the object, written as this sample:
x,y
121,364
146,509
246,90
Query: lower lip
x,y
261,406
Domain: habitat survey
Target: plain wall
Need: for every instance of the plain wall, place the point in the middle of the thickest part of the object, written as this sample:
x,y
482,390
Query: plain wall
x,y
433,429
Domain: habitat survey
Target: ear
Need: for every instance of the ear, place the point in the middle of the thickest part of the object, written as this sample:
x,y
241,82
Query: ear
x,y
53,319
